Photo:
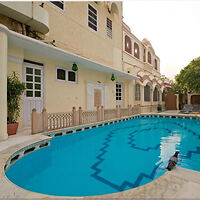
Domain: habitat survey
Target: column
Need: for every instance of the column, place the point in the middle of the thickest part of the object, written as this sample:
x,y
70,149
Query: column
x,y
151,99
189,99
160,97
177,101
141,95
3,85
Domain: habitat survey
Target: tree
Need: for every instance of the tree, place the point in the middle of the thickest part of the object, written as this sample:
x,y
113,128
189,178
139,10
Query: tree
x,y
189,78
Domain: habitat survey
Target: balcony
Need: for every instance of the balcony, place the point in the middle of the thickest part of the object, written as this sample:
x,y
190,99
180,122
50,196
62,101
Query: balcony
x,y
27,13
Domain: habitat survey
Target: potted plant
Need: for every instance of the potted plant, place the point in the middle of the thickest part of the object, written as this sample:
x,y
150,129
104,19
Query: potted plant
x,y
159,108
15,89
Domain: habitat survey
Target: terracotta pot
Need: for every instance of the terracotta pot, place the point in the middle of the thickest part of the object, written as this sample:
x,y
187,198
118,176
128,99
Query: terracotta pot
x,y
12,128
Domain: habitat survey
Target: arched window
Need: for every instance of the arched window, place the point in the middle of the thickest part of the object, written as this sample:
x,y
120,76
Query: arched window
x,y
128,44
149,57
155,94
136,50
144,56
156,64
137,92
147,93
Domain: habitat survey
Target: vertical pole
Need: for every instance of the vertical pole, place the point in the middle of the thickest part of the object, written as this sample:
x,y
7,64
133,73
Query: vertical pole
x,y
3,85
188,99
102,113
129,109
34,122
80,111
98,114
177,101
73,116
118,111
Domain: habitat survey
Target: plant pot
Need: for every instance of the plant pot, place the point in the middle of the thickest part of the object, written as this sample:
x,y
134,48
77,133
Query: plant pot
x,y
12,128
159,108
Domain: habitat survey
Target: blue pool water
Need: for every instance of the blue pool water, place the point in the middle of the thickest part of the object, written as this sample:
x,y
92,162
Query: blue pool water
x,y
109,159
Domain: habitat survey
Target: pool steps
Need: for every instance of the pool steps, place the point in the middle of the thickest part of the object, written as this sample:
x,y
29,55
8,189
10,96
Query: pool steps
x,y
44,143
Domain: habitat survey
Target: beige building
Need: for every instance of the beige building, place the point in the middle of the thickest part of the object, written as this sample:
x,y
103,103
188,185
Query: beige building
x,y
42,42
140,59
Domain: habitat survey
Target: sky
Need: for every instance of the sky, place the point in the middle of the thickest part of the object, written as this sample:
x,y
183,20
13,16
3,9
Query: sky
x,y
172,27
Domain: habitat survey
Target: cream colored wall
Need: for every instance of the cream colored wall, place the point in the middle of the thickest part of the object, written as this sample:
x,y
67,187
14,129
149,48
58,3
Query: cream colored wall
x,y
70,30
62,96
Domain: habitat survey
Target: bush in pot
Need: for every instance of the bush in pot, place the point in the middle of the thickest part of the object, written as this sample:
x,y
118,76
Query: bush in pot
x,y
15,89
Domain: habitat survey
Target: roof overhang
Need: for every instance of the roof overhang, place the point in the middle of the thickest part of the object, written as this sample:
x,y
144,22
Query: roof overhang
x,y
40,48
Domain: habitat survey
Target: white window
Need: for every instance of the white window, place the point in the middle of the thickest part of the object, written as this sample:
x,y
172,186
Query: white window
x,y
33,82
118,91
92,17
59,4
137,92
66,75
109,28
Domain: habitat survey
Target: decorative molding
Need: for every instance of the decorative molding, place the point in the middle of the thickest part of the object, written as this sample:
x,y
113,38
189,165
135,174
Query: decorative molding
x,y
15,59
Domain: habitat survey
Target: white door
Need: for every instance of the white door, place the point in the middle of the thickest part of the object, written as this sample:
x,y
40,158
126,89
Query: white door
x,y
33,97
119,94
95,95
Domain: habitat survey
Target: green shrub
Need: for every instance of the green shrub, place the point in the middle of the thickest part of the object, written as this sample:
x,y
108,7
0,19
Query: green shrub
x,y
15,89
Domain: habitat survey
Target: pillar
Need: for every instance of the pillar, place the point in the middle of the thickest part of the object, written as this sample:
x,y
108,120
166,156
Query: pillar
x,y
118,113
142,95
177,101
98,114
160,97
151,100
189,99
80,112
3,85
102,113
34,122
44,120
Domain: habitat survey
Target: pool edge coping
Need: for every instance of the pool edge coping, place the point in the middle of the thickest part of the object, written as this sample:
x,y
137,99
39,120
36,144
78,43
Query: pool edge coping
x,y
42,137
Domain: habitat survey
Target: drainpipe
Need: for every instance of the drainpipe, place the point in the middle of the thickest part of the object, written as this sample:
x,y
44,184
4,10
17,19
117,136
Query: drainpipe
x,y
32,11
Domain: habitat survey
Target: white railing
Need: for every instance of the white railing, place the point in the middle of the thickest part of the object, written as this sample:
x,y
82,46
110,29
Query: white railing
x,y
89,116
59,120
124,112
110,114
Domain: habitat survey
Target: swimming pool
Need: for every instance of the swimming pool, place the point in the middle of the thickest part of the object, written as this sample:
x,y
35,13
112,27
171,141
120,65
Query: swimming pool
x,y
109,159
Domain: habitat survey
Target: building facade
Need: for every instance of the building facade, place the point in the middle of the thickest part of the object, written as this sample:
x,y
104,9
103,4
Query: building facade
x,y
42,42
140,59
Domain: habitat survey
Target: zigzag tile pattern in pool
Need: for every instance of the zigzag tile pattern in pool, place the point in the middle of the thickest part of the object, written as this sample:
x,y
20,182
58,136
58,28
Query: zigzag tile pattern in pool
x,y
125,184
133,145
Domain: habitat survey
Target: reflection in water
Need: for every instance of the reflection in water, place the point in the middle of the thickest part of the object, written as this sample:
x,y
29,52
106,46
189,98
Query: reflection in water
x,y
168,146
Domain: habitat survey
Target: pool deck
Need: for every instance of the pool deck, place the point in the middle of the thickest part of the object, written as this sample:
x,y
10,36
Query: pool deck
x,y
179,183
